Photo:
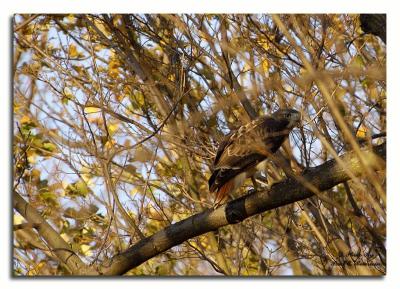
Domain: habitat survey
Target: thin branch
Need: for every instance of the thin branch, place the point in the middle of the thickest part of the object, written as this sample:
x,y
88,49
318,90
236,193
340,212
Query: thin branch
x,y
286,192
26,22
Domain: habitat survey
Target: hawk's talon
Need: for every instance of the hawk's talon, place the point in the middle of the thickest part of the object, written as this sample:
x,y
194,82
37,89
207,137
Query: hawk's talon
x,y
216,206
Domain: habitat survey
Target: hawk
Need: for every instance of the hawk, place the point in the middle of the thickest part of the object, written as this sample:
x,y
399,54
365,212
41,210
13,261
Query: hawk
x,y
242,152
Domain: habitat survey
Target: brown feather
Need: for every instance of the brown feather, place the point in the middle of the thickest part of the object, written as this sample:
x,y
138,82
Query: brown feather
x,y
223,192
243,149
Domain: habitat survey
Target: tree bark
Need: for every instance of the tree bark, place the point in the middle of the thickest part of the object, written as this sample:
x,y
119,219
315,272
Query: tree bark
x,y
374,24
54,241
291,190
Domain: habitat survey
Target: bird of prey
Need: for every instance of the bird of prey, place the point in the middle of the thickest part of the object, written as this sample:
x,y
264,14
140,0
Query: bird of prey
x,y
242,152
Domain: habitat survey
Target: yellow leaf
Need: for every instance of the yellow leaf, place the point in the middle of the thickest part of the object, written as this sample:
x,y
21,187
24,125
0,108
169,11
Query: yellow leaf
x,y
64,184
35,175
77,189
68,93
265,65
119,97
287,87
49,147
202,34
88,179
65,237
32,158
362,132
113,68
78,68
117,20
25,119
40,265
139,98
71,18
18,219
72,51
263,44
17,107
98,47
246,66
82,188
112,128
91,109
171,77
340,93
86,250
109,144
102,27
127,90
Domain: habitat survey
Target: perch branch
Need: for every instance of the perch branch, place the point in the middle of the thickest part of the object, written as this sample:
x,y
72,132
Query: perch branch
x,y
291,190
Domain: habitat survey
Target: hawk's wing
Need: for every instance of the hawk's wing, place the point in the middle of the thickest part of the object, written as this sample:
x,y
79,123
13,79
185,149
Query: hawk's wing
x,y
242,150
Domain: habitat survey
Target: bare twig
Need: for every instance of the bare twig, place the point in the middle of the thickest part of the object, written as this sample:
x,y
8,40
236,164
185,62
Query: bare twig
x,y
288,191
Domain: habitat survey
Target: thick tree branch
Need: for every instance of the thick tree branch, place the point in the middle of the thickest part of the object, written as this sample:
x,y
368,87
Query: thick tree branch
x,y
322,177
374,24
55,243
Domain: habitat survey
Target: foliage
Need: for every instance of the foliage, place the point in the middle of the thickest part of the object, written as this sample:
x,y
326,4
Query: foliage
x,y
117,119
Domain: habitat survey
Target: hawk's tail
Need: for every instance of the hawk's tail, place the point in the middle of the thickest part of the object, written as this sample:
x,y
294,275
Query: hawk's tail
x,y
223,192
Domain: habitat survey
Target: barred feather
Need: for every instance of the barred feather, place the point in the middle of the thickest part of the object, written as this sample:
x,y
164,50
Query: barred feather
x,y
242,150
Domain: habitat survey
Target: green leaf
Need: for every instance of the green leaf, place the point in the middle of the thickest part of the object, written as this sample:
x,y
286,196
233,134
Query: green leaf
x,y
49,147
77,189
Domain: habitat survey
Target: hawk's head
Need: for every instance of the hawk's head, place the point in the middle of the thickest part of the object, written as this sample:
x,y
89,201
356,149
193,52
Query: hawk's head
x,y
292,116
